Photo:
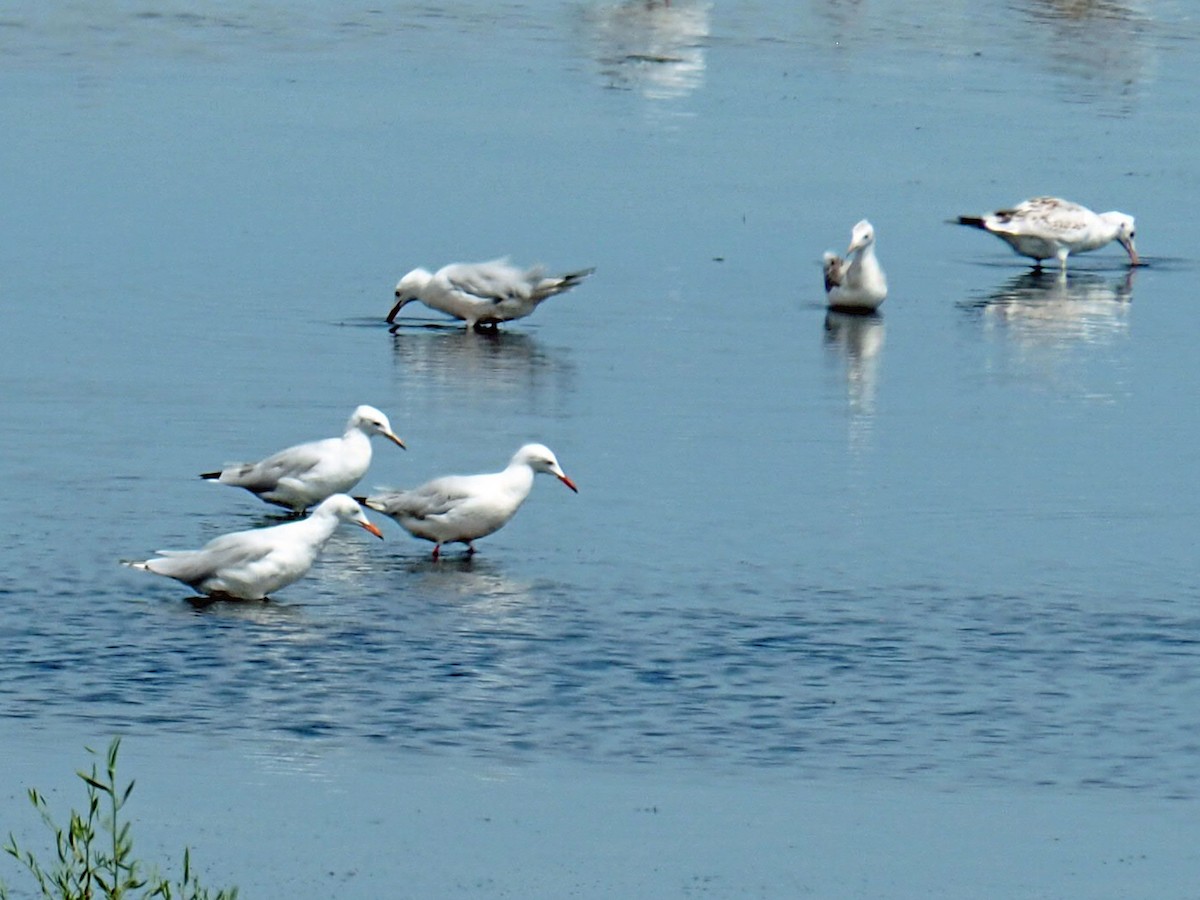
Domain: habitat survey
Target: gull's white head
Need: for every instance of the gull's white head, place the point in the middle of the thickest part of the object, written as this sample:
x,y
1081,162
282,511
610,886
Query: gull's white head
x,y
861,237
408,289
346,509
541,458
370,422
1124,226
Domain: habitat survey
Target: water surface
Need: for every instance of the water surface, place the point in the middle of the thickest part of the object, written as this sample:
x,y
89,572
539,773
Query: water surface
x,y
951,545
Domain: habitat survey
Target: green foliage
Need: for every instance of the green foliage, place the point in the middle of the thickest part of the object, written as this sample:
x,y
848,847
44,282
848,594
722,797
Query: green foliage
x,y
94,852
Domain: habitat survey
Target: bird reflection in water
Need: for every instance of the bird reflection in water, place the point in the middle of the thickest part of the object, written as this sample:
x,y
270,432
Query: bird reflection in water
x,y
1104,47
474,582
1048,326
653,47
484,367
856,339
1057,308
286,617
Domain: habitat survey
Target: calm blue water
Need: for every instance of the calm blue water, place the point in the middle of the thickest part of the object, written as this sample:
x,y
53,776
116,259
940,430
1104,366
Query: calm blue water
x,y
954,544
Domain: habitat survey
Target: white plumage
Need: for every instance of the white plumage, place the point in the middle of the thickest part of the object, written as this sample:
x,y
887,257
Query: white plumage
x,y
250,565
462,508
303,475
482,294
1053,228
856,283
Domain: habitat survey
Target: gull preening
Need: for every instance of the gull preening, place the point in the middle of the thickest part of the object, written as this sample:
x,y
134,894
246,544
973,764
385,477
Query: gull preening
x,y
251,565
463,508
1050,227
483,294
306,474
856,283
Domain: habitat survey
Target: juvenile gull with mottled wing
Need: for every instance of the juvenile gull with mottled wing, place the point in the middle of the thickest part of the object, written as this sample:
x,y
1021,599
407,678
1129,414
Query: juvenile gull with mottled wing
x,y
1053,228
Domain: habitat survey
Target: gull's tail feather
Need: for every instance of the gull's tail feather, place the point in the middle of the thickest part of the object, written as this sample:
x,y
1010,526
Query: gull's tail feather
x,y
970,221
573,278
210,476
556,285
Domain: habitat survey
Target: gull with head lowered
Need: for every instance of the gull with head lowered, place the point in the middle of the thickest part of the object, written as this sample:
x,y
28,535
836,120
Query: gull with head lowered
x,y
1053,228
250,565
482,294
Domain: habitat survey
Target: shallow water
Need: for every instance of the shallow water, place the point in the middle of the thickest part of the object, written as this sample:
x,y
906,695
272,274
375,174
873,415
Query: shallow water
x,y
953,544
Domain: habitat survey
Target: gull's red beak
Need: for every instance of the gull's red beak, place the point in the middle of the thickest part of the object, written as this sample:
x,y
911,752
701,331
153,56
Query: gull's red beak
x,y
568,482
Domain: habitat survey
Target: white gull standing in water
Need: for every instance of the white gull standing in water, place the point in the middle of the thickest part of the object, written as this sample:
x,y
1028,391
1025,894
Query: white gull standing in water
x,y
250,565
462,508
856,283
1050,227
300,476
483,294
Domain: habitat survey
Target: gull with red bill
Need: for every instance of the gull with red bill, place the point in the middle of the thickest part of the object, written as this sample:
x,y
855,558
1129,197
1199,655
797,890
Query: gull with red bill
x,y
303,475
462,508
251,565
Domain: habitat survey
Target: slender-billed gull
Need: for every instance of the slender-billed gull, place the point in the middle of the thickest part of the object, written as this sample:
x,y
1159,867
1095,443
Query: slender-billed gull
x,y
251,565
300,476
1050,227
483,294
462,508
856,283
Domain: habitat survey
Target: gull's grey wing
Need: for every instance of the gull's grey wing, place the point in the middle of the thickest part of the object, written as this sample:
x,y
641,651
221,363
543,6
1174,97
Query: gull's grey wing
x,y
436,498
195,566
294,462
495,280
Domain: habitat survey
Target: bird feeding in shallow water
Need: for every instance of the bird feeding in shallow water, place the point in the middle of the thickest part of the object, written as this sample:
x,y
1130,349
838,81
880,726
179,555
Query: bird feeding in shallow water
x,y
463,508
251,565
1053,228
303,475
482,294
856,283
